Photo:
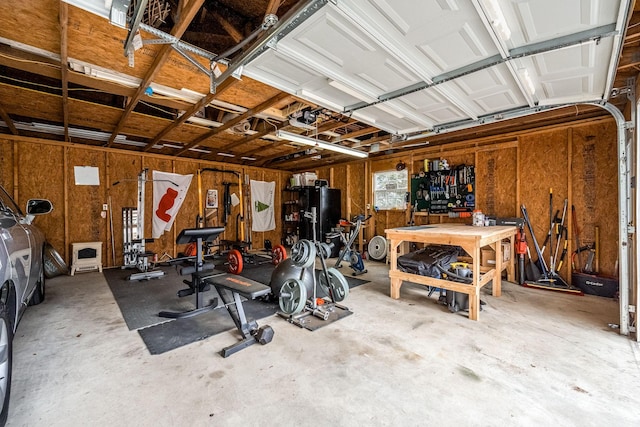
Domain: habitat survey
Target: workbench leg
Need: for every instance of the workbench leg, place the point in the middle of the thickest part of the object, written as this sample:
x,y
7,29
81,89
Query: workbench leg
x,y
395,288
474,304
394,291
496,289
511,264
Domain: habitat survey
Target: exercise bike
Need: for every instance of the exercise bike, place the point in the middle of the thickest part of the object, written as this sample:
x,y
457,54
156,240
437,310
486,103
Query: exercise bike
x,y
347,252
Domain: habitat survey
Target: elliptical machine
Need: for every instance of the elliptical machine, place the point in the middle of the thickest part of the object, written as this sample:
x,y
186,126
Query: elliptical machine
x,y
347,252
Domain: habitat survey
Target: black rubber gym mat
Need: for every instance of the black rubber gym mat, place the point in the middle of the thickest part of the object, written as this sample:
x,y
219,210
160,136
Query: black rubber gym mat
x,y
176,333
141,301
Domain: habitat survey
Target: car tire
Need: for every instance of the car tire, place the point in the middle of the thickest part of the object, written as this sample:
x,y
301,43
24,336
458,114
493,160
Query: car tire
x,y
6,361
38,294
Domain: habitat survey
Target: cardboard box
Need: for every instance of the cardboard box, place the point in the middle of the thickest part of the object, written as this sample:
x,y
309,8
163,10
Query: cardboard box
x,y
488,255
309,178
506,251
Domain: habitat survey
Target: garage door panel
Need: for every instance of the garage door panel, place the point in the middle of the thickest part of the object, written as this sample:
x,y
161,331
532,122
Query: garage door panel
x,y
531,22
404,64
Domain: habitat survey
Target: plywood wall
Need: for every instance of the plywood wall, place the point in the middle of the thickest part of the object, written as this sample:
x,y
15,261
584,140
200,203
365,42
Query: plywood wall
x,y
577,163
31,167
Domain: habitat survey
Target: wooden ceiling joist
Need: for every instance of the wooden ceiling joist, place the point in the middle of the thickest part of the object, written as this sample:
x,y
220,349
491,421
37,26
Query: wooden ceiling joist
x,y
187,13
272,7
8,121
267,130
356,134
249,113
190,112
47,67
236,35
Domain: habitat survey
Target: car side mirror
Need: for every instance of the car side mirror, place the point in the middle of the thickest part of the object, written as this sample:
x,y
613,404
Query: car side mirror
x,y
39,206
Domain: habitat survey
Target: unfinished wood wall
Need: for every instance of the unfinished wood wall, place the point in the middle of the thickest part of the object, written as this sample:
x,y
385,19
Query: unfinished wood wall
x,y
579,163
37,168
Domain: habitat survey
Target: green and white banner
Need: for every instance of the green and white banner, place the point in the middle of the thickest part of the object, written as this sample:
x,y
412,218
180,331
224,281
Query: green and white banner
x,y
262,211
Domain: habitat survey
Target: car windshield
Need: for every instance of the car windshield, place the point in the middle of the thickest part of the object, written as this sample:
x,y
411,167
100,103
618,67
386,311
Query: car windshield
x,y
7,203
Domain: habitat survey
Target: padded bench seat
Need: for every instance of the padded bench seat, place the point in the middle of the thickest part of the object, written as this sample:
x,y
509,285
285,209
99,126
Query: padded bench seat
x,y
184,270
250,289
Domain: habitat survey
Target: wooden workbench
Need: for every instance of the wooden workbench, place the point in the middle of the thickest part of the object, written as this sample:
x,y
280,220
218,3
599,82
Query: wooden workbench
x,y
471,239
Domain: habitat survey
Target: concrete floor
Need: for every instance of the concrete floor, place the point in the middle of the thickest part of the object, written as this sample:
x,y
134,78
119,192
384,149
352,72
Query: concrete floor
x,y
534,358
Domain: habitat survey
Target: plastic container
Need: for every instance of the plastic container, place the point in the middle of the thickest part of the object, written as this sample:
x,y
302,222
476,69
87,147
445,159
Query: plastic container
x,y
478,218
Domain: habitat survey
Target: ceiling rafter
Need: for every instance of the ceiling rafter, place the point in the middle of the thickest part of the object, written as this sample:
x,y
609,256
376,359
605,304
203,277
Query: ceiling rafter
x,y
42,66
64,68
187,13
370,141
255,136
355,134
250,112
330,125
236,35
204,101
269,128
272,7
8,121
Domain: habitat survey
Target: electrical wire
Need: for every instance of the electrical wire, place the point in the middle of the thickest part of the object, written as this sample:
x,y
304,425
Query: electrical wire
x,y
157,108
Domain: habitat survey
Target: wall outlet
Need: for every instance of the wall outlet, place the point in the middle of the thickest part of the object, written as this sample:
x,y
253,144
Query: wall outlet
x,y
105,207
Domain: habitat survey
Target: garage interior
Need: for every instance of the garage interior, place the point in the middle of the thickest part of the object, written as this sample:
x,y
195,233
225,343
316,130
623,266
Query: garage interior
x,y
538,96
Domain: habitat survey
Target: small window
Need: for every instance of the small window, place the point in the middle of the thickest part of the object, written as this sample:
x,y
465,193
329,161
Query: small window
x,y
390,189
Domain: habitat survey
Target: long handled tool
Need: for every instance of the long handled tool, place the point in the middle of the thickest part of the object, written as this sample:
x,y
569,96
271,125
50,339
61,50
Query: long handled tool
x,y
543,264
559,233
548,279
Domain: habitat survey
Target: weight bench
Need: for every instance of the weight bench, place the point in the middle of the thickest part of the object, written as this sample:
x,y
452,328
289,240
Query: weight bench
x,y
231,288
199,271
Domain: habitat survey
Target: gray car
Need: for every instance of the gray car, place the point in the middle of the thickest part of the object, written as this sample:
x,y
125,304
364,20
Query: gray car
x,y
21,277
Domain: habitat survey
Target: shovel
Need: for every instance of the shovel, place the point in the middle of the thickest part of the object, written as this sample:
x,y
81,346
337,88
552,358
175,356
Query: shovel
x,y
531,270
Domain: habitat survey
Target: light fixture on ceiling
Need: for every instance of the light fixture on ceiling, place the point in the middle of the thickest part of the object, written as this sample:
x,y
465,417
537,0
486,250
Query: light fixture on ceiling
x,y
200,150
247,158
226,155
497,19
528,82
301,139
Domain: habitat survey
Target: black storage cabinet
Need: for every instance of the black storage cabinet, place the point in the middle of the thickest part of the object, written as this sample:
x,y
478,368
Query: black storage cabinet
x,y
327,203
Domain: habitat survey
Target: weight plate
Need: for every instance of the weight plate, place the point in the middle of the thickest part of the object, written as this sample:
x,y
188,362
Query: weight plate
x,y
293,296
378,248
278,254
325,250
322,282
303,253
354,258
235,261
337,283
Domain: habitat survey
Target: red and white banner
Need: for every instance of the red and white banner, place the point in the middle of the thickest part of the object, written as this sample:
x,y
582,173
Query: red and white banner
x,y
169,191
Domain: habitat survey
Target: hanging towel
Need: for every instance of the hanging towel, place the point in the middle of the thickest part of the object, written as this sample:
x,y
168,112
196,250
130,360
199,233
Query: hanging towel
x,y
169,191
262,212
